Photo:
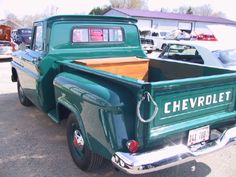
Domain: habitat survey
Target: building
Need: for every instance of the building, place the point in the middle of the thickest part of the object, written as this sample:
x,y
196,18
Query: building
x,y
12,24
170,21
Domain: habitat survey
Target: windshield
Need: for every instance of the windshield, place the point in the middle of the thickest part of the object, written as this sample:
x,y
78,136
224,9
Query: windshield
x,y
25,31
147,41
227,57
163,34
145,33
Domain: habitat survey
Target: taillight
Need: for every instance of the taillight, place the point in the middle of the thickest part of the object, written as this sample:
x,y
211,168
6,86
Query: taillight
x,y
133,146
13,46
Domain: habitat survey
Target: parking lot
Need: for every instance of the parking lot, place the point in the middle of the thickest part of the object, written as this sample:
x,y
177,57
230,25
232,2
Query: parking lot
x,y
31,145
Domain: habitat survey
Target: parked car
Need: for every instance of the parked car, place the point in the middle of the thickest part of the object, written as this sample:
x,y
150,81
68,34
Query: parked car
x,y
147,45
6,47
203,37
5,50
177,35
201,53
22,35
174,35
13,34
151,32
206,37
155,34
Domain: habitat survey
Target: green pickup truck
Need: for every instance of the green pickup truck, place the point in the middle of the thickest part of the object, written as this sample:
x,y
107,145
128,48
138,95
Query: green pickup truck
x,y
142,114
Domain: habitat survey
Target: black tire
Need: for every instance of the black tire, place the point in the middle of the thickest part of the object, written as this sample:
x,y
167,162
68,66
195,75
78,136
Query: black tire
x,y
82,156
23,99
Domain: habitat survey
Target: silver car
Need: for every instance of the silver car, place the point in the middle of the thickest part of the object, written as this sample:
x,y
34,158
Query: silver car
x,y
5,50
207,53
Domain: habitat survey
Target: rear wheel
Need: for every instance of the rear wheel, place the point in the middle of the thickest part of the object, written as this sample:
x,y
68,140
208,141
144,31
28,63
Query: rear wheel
x,y
82,156
23,99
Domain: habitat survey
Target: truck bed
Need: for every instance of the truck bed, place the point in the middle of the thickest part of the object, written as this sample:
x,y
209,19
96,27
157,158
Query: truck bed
x,y
169,83
149,70
159,104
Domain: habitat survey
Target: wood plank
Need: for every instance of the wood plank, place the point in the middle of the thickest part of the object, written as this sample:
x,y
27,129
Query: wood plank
x,y
134,70
102,61
126,66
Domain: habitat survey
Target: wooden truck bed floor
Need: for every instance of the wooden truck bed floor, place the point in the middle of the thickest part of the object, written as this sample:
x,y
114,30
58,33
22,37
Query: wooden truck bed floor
x,y
125,66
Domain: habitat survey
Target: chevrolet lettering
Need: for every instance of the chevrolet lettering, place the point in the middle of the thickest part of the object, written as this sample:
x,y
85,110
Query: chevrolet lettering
x,y
142,114
201,101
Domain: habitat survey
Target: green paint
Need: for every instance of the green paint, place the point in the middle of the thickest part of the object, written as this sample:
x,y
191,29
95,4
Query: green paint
x,y
188,96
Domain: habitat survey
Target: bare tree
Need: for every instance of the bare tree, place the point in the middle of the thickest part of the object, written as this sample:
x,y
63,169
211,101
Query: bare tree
x,y
218,14
14,19
181,10
189,11
99,10
137,4
164,10
51,10
28,20
204,10
25,21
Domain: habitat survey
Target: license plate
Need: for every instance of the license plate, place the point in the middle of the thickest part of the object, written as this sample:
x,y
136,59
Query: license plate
x,y
198,135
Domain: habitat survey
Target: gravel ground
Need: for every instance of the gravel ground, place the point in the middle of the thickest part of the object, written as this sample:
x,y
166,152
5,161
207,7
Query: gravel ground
x,y
31,145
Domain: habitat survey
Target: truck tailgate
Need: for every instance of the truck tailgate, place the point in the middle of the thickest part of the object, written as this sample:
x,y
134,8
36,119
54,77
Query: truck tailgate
x,y
187,104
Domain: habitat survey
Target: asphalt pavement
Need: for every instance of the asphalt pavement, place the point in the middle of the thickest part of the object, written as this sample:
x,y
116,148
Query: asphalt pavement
x,y
31,145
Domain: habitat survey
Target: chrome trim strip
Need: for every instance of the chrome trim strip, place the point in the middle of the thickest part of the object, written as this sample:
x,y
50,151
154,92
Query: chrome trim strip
x,y
141,163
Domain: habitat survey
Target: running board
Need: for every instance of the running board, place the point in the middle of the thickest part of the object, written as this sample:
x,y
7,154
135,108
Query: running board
x,y
53,115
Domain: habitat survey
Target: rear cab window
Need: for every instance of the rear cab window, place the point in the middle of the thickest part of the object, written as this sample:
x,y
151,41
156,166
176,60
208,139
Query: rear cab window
x,y
97,35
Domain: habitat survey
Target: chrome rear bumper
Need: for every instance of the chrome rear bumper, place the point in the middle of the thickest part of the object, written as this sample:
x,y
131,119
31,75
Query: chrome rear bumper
x,y
141,163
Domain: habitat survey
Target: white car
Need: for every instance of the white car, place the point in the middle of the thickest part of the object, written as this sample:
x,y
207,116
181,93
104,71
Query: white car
x,y
156,35
207,53
147,45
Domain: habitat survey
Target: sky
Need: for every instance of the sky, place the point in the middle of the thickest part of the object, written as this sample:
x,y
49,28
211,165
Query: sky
x,y
225,6
27,7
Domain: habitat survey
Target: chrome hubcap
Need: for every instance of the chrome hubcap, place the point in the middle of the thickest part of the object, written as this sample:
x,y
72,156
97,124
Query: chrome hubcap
x,y
78,140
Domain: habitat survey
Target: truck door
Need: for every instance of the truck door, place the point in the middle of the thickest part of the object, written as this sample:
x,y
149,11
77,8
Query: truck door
x,y
30,59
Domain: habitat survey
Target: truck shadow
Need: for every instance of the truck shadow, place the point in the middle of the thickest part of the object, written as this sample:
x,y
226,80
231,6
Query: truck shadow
x,y
5,60
29,137
190,169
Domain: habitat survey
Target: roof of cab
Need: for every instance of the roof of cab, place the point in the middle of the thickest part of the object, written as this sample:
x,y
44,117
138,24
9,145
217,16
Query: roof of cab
x,y
88,18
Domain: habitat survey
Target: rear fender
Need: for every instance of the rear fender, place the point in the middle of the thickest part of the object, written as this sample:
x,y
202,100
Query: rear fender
x,y
63,101
101,107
